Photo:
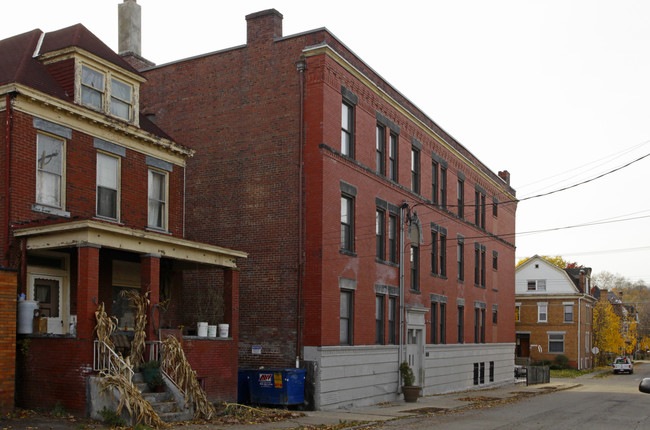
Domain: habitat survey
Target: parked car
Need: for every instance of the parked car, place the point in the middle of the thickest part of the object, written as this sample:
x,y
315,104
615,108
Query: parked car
x,y
623,364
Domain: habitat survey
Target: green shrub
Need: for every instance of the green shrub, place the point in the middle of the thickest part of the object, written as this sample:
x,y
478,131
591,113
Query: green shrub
x,y
59,410
112,418
561,361
408,378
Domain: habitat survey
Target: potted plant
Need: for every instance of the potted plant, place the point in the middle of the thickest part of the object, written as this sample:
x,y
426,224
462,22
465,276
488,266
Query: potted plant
x,y
149,370
411,392
156,383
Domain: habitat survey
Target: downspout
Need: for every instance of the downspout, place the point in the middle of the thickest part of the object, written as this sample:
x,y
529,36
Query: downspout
x,y
7,178
401,288
301,66
579,318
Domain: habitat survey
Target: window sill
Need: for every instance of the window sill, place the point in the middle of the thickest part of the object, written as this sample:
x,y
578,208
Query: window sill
x,y
435,275
50,210
158,230
348,253
386,262
415,291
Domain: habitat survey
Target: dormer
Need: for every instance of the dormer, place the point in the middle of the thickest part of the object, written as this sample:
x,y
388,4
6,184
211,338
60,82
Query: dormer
x,y
93,75
101,86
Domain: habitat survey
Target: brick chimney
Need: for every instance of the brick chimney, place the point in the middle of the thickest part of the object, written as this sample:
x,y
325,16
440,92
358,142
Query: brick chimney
x,y
264,26
129,28
505,175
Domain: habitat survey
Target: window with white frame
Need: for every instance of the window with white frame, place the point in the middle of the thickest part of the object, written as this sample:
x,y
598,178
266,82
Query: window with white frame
x,y
157,199
108,168
121,99
50,164
568,312
556,342
536,284
542,312
98,86
93,88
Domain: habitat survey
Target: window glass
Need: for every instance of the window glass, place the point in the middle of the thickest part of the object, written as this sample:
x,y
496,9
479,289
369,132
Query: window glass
x,y
346,223
49,167
107,185
120,99
379,320
92,87
346,318
346,129
157,199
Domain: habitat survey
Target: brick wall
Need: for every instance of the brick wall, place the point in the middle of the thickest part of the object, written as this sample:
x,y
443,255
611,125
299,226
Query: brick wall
x,y
81,162
212,360
239,109
8,294
42,382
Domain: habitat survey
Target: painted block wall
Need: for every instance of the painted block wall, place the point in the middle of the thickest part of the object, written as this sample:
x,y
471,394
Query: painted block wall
x,y
450,368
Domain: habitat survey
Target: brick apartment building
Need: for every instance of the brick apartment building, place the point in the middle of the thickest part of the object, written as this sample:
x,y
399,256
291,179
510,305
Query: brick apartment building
x,y
554,312
92,204
374,237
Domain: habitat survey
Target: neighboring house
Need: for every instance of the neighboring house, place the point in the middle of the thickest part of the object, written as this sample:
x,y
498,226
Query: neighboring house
x,y
553,312
307,159
91,204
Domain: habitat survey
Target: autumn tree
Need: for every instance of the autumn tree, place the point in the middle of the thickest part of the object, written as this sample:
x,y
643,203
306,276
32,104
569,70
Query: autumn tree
x,y
607,330
557,260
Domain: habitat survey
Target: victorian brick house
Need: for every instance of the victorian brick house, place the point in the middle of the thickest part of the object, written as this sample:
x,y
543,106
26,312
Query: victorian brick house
x,y
91,204
554,312
374,237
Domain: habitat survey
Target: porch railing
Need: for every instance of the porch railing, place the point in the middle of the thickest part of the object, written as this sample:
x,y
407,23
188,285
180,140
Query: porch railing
x,y
104,358
156,351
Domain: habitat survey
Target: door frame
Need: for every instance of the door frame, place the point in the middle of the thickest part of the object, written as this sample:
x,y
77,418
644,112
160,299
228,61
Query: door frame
x,y
61,275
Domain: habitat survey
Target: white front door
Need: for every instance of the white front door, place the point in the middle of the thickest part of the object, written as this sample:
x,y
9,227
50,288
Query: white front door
x,y
414,349
51,292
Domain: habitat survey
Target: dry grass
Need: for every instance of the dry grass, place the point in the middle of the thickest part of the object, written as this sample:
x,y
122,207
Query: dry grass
x,y
140,302
129,396
175,364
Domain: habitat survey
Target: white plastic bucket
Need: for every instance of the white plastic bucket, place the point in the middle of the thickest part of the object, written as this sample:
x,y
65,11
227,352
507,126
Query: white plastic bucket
x,y
202,329
26,310
212,331
223,330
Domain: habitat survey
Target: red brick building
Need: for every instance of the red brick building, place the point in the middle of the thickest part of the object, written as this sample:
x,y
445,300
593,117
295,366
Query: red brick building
x,y
554,313
374,237
91,204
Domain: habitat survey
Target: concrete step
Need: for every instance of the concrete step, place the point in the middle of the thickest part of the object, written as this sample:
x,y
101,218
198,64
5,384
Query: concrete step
x,y
164,407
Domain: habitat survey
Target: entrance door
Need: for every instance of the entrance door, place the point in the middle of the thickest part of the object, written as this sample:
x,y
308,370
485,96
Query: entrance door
x,y
523,345
47,290
414,345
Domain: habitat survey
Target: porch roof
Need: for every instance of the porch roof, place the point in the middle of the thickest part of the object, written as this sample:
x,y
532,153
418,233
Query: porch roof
x,y
91,232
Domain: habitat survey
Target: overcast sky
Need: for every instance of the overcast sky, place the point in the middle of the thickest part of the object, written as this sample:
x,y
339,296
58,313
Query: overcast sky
x,y
555,92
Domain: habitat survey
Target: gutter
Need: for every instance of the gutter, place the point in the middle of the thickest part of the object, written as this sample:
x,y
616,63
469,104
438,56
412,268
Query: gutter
x,y
301,66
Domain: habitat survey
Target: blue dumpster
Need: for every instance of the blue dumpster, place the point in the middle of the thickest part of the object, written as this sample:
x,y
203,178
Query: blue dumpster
x,y
276,386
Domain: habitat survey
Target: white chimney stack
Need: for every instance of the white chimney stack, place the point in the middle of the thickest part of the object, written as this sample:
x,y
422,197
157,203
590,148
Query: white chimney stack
x,y
129,28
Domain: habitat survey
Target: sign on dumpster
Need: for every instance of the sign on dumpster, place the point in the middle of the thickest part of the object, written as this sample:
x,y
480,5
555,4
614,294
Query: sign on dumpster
x,y
270,380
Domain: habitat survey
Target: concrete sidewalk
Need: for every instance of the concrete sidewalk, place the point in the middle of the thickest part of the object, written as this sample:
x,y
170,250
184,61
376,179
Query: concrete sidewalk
x,y
425,405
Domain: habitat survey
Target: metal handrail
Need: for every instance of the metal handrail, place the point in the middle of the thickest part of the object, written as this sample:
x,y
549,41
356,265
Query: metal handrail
x,y
156,350
105,358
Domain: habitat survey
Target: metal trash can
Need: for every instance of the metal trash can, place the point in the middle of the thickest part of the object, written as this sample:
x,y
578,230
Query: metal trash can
x,y
276,386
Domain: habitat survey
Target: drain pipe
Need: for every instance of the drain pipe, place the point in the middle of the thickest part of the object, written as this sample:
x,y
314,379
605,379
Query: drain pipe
x,y
7,178
402,210
301,66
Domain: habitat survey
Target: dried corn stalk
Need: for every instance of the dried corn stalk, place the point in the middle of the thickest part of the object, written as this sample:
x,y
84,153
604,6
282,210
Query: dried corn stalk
x,y
176,366
140,302
105,326
130,397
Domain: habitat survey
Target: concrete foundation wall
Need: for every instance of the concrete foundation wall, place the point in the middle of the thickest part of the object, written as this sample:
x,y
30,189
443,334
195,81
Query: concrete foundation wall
x,y
366,375
353,376
451,367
